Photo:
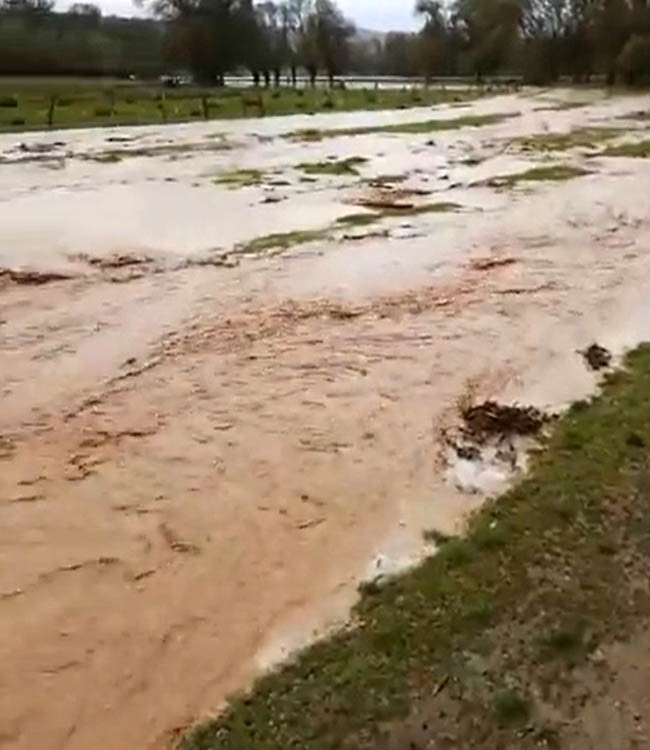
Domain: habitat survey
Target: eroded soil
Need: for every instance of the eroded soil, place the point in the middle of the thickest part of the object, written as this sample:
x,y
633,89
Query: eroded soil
x,y
207,442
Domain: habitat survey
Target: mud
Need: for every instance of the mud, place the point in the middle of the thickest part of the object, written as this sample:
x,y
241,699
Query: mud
x,y
597,357
181,453
490,418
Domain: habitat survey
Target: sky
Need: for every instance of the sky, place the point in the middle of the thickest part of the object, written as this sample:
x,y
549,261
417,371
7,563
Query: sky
x,y
379,15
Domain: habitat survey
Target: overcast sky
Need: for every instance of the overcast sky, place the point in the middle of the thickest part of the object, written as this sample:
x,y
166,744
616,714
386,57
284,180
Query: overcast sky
x,y
382,15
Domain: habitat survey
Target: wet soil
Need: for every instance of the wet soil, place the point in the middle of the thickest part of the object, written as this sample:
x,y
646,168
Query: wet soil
x,y
180,453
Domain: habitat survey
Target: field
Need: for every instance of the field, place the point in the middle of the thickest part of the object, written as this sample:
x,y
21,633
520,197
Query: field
x,y
306,407
32,103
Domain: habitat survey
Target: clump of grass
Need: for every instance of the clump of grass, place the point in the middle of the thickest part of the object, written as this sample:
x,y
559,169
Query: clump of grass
x,y
9,102
333,166
577,138
409,128
439,538
566,639
511,707
241,178
358,220
639,150
555,173
107,157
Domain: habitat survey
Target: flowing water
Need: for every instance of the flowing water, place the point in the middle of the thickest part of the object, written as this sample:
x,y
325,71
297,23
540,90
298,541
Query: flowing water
x,y
205,446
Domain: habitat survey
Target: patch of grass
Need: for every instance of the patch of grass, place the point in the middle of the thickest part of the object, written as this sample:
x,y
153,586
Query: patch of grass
x,y
358,220
475,599
408,128
240,178
333,166
639,150
577,138
511,707
554,173
566,639
280,241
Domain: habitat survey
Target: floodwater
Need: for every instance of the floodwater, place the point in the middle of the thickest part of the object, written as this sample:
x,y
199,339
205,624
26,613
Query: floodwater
x,y
205,448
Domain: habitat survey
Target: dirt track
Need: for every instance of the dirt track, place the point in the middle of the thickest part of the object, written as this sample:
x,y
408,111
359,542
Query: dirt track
x,y
200,463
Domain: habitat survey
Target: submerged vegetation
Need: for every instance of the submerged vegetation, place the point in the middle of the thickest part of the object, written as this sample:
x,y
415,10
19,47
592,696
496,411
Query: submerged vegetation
x,y
550,173
333,166
412,128
576,138
638,150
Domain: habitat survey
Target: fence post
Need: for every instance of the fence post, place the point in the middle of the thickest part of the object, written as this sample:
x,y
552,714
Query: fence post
x,y
50,111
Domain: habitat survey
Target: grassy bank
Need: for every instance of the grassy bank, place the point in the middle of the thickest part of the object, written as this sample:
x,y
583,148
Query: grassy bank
x,y
34,103
489,643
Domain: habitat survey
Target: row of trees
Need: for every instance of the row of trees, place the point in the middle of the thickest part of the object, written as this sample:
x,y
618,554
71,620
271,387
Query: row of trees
x,y
35,40
539,40
214,37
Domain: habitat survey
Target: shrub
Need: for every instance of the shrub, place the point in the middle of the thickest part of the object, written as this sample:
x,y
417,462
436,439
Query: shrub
x,y
18,121
103,112
8,101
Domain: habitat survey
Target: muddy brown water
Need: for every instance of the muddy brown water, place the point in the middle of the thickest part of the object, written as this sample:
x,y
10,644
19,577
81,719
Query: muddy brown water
x,y
199,465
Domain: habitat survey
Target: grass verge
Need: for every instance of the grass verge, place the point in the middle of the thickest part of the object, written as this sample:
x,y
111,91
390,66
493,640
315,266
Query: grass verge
x,y
79,102
478,638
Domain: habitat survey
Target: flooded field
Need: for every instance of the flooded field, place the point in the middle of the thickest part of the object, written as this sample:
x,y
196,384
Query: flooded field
x,y
231,358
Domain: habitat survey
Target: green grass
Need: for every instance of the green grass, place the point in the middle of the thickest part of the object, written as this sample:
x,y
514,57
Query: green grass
x,y
358,220
333,166
555,173
407,128
469,621
640,150
92,102
240,178
577,138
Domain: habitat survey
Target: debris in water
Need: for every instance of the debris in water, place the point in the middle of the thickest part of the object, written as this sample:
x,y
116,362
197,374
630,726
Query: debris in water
x,y
596,357
33,278
490,418
486,264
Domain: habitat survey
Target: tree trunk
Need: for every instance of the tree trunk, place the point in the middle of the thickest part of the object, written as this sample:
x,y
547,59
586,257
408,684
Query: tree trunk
x,y
256,78
313,72
330,76
277,75
294,75
267,79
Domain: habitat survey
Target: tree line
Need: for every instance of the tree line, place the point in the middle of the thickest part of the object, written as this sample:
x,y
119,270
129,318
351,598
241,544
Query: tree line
x,y
537,40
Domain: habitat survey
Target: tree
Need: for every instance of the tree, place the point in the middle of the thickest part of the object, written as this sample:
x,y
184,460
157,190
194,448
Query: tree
x,y
634,60
332,32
